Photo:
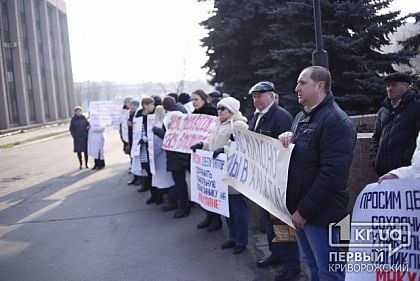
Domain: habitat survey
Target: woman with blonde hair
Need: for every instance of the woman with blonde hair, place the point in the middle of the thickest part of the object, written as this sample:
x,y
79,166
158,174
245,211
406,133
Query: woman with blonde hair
x,y
162,179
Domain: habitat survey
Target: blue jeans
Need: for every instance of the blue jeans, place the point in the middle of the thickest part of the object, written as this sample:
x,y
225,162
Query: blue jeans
x,y
314,251
239,219
286,252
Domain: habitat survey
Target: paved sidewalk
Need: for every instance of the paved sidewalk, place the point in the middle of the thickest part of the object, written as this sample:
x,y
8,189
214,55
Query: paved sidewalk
x,y
258,242
32,135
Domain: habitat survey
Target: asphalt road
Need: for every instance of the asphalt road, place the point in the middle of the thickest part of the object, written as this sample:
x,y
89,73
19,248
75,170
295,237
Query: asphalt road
x,y
61,223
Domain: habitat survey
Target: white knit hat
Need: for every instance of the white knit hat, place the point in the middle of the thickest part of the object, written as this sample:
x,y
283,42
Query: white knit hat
x,y
230,103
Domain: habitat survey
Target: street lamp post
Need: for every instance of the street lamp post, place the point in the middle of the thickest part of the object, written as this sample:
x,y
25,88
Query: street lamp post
x,y
319,56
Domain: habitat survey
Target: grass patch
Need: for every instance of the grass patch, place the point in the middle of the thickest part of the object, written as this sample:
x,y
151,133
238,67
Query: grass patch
x,y
13,144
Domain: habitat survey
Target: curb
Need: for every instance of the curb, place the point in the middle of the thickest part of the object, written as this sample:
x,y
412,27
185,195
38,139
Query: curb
x,y
33,139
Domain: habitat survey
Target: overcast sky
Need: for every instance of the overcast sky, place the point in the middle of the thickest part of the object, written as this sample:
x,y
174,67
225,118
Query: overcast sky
x,y
136,41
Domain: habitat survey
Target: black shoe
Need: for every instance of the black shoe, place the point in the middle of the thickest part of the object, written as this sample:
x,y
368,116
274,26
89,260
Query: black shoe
x,y
133,181
168,208
151,200
159,199
205,223
94,168
266,261
182,213
80,167
228,244
87,167
286,274
215,224
238,249
142,188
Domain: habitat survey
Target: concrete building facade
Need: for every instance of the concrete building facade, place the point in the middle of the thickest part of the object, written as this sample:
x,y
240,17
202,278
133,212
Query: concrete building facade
x,y
36,80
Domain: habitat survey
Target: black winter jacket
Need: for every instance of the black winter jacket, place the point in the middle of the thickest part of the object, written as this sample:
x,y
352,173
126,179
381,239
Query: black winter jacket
x,y
396,130
276,121
319,166
79,129
206,109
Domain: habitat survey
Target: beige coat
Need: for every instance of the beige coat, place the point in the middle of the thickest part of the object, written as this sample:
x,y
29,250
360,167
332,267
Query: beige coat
x,y
221,132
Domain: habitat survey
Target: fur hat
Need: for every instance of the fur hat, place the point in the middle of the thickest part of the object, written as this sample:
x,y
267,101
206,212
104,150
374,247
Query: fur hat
x,y
230,103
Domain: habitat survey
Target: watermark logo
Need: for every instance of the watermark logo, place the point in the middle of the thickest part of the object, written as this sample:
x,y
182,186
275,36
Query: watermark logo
x,y
391,235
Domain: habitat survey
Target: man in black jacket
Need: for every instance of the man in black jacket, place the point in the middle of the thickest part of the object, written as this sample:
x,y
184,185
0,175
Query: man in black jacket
x,y
397,125
317,193
271,120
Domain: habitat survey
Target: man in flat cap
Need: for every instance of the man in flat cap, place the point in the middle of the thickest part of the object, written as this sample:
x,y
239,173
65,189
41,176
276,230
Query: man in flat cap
x,y
271,120
397,125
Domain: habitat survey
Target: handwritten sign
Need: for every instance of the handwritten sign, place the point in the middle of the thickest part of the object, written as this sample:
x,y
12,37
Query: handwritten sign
x,y
207,188
137,126
150,138
184,130
385,233
124,115
257,166
102,111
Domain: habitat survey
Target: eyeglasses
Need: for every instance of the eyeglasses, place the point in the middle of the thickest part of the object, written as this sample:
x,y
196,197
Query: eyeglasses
x,y
221,108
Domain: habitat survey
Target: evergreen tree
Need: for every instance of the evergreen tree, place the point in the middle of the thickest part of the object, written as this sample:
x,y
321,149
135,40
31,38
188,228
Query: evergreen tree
x,y
273,40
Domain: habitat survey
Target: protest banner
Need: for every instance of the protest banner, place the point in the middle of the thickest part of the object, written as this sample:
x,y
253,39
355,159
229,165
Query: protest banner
x,y
124,115
207,188
257,166
150,144
384,233
184,130
105,112
137,125
101,111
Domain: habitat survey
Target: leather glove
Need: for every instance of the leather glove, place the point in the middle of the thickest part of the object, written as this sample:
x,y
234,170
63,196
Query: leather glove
x,y
218,151
196,146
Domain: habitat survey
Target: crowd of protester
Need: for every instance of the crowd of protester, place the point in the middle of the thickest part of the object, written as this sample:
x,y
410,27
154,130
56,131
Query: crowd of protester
x,y
323,139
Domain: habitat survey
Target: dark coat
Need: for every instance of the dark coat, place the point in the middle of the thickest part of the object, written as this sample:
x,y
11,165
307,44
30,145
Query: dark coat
x,y
206,109
394,139
276,121
79,127
319,166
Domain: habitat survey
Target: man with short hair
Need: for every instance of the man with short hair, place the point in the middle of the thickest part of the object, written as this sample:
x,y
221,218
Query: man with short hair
x,y
317,193
271,120
397,125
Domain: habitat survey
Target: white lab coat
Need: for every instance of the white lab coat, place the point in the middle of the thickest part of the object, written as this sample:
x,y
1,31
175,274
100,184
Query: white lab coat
x,y
96,141
162,178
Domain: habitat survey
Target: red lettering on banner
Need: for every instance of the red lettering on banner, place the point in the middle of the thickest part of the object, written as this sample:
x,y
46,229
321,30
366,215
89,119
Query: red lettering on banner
x,y
394,276
196,159
175,122
210,202
198,122
170,140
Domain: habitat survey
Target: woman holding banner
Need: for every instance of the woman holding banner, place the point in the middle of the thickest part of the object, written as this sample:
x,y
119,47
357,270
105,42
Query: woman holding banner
x,y
229,118
148,106
200,102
